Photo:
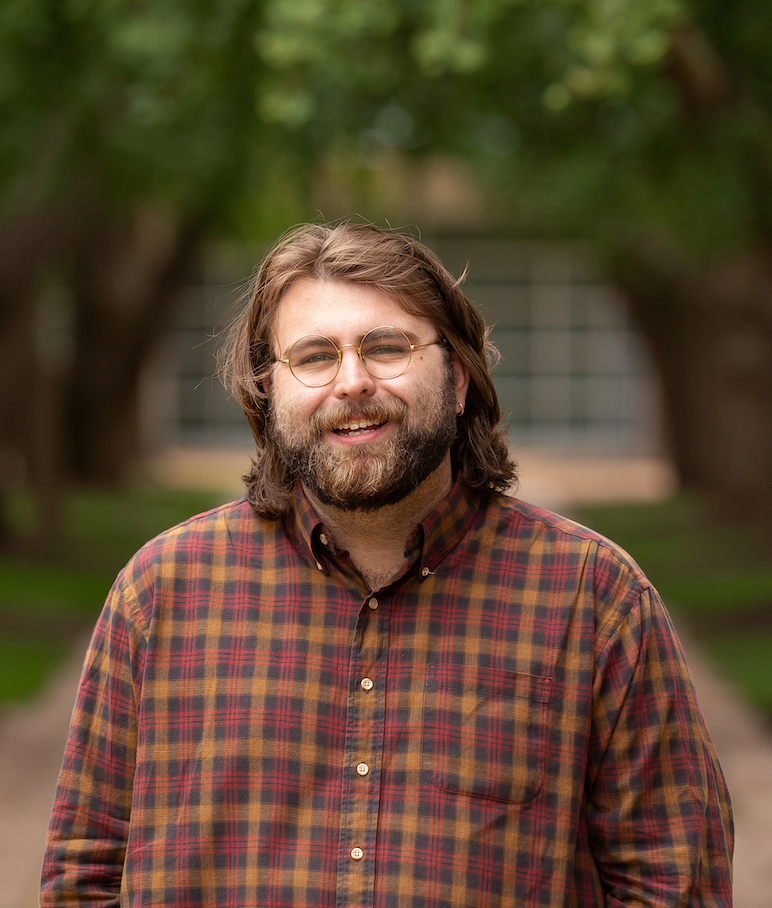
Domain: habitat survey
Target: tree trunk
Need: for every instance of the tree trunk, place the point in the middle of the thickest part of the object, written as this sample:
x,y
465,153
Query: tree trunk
x,y
710,332
29,241
125,283
83,298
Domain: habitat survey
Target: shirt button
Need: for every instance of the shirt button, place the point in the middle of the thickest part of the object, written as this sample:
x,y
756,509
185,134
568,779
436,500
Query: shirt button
x,y
357,854
366,683
363,769
319,566
322,539
425,572
372,603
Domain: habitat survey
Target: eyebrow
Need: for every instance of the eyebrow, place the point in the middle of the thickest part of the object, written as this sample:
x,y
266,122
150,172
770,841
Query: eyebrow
x,y
308,340
304,341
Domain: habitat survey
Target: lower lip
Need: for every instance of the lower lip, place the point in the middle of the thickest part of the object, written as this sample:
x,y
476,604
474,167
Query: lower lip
x,y
359,438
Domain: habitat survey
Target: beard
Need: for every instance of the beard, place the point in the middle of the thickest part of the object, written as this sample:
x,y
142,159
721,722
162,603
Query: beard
x,y
372,475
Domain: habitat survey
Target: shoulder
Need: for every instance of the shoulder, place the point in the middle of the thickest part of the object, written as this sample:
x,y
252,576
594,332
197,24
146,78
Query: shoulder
x,y
558,544
568,563
236,519
535,521
229,534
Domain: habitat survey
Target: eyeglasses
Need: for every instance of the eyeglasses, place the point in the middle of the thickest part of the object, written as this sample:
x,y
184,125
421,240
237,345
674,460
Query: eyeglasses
x,y
385,352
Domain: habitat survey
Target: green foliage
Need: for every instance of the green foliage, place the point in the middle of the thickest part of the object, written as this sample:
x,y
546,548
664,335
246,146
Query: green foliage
x,y
601,119
35,592
25,664
641,125
744,656
574,109
134,100
582,113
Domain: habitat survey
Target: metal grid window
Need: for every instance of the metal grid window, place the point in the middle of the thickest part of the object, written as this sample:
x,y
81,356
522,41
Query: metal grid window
x,y
573,372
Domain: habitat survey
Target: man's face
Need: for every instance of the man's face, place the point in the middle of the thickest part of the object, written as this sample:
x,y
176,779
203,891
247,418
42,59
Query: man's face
x,y
361,442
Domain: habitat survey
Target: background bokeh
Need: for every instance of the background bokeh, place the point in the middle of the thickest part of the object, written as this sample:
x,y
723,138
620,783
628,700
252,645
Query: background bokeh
x,y
603,168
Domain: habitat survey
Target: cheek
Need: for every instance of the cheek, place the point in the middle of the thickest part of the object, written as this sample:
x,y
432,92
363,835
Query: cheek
x,y
296,399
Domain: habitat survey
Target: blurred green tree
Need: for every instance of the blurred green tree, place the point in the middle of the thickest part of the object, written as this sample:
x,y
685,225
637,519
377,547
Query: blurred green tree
x,y
642,125
133,132
130,134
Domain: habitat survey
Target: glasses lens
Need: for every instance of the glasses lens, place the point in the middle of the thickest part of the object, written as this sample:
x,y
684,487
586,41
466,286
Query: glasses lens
x,y
385,352
314,360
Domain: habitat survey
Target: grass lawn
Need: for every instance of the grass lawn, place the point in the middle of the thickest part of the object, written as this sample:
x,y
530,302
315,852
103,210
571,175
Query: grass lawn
x,y
715,579
47,601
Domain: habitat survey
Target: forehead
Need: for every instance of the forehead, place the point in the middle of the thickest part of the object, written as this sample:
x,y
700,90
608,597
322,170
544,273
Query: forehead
x,y
341,311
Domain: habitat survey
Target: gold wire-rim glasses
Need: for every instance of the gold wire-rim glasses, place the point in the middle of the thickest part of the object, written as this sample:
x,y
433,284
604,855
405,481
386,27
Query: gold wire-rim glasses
x,y
303,367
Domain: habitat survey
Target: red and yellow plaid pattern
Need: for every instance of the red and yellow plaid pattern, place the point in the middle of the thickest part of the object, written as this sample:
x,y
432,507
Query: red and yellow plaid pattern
x,y
509,723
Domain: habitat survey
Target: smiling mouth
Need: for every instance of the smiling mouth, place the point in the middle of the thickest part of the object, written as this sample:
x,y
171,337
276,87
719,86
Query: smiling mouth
x,y
359,427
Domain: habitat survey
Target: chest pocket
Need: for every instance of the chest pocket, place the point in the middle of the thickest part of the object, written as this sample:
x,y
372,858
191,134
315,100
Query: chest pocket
x,y
485,732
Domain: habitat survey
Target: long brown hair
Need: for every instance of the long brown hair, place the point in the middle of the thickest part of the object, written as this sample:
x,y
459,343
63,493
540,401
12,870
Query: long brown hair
x,y
407,271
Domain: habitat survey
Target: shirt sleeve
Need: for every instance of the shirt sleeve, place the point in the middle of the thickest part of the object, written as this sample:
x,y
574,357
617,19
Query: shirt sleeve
x,y
658,810
83,862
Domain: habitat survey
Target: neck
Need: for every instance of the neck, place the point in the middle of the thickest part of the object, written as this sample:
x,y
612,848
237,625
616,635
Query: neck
x,y
376,539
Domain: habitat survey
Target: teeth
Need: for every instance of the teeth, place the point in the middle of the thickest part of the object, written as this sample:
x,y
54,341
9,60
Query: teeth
x,y
355,426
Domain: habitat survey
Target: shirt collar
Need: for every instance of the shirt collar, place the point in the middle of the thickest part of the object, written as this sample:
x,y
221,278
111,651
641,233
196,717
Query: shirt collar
x,y
442,529
433,539
303,524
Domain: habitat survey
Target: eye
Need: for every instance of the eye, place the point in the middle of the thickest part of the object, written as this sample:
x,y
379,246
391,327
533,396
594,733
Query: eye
x,y
310,353
319,357
383,345
383,350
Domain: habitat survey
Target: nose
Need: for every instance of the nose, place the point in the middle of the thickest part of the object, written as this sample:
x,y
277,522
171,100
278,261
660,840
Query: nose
x,y
352,380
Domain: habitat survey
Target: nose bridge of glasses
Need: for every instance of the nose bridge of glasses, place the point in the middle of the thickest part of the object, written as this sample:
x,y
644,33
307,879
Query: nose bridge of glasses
x,y
360,357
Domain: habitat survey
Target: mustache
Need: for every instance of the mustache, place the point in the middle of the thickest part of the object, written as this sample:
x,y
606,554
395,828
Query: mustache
x,y
376,411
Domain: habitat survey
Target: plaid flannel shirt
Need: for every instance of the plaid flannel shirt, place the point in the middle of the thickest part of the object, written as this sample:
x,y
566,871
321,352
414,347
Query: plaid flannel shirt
x,y
510,722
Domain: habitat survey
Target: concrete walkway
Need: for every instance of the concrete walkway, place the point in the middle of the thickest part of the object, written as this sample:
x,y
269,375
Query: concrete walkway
x,y
31,745
32,738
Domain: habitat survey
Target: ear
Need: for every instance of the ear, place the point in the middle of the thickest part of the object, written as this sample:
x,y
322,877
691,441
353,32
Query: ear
x,y
461,378
266,383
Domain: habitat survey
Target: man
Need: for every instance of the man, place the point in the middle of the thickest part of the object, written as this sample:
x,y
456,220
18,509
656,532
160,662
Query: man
x,y
378,680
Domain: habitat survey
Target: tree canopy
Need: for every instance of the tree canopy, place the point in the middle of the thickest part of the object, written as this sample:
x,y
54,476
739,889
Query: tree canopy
x,y
134,131
578,108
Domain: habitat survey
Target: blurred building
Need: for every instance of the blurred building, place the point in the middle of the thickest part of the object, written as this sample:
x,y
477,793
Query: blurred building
x,y
574,373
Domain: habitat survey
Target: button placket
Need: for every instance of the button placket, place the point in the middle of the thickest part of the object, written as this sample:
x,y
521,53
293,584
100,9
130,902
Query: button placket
x,y
364,738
